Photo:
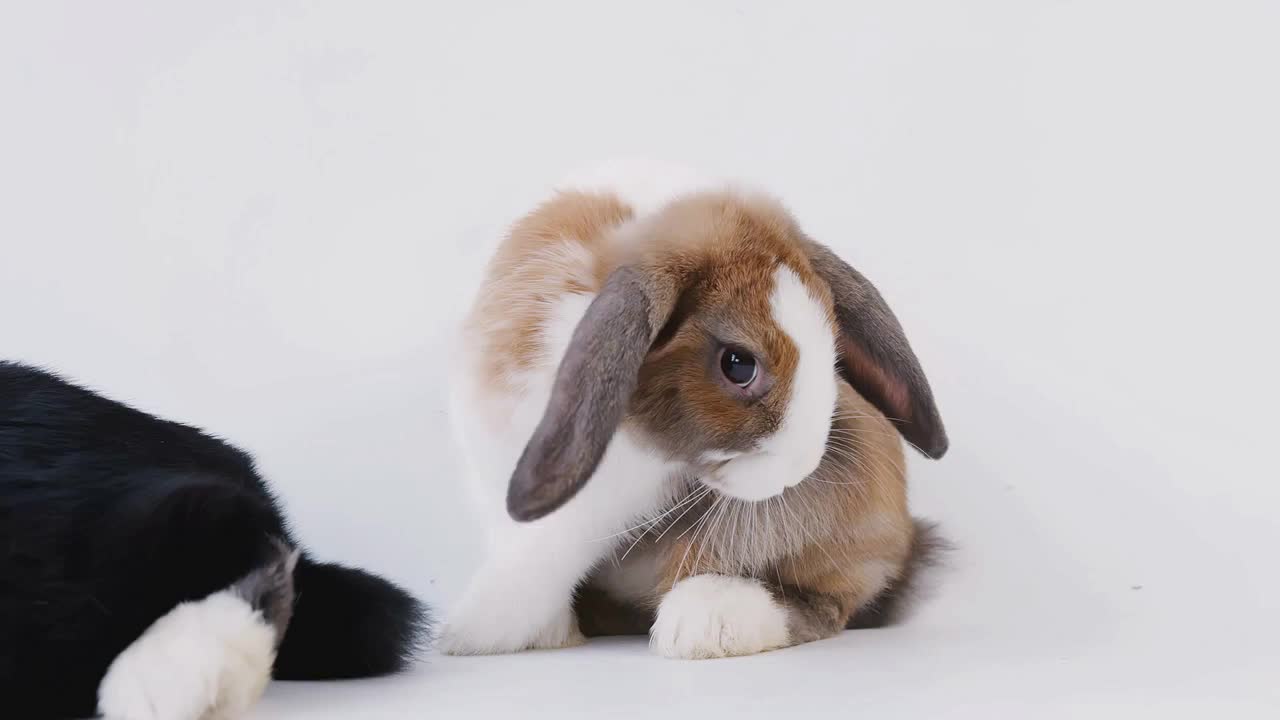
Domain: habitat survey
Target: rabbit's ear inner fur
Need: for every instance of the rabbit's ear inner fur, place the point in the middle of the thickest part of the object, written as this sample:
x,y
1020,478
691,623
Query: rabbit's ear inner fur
x,y
875,357
595,381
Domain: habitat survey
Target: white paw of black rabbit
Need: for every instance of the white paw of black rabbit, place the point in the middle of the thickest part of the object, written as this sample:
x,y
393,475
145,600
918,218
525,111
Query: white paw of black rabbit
x,y
205,660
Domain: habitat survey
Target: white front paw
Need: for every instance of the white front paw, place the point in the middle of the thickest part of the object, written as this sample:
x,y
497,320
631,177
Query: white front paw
x,y
506,631
712,616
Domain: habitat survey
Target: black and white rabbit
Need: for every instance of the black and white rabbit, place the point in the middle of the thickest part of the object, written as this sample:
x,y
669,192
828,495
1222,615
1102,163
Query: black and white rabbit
x,y
146,571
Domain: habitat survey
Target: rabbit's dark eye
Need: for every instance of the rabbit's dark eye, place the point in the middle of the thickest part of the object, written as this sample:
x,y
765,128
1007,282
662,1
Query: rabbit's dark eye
x,y
738,366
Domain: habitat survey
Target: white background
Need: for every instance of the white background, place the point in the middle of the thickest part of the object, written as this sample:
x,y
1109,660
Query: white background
x,y
264,218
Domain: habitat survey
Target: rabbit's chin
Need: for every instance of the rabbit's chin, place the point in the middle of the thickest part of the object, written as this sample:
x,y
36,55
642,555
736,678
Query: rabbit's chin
x,y
754,477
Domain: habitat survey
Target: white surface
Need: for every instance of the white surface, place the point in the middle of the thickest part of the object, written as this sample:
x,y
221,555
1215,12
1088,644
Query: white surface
x,y
263,217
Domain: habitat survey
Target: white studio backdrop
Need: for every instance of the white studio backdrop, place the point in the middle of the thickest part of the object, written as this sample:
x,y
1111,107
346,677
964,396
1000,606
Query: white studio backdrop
x,y
265,218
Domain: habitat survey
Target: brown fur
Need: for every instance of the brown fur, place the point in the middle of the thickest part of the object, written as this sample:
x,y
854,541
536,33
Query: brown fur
x,y
726,252
703,269
838,543
927,550
828,548
560,248
600,614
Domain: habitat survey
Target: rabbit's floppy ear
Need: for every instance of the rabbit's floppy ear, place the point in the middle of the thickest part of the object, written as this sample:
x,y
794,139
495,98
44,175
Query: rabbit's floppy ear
x,y
875,356
595,381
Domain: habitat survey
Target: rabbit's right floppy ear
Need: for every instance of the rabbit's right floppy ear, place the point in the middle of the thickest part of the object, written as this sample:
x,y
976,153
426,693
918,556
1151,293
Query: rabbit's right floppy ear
x,y
876,357
593,386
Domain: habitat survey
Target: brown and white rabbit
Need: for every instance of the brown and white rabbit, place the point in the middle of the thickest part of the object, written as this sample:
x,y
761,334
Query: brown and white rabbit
x,y
690,407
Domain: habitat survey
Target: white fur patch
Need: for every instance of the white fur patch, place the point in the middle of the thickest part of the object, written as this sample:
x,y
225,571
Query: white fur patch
x,y
794,451
204,660
713,616
488,622
718,456
521,597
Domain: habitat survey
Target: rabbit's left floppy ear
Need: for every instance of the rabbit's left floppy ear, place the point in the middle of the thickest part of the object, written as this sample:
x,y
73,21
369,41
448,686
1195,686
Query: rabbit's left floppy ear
x,y
875,356
595,381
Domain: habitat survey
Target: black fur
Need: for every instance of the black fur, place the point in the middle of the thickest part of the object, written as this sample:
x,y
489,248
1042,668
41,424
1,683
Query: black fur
x,y
109,517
